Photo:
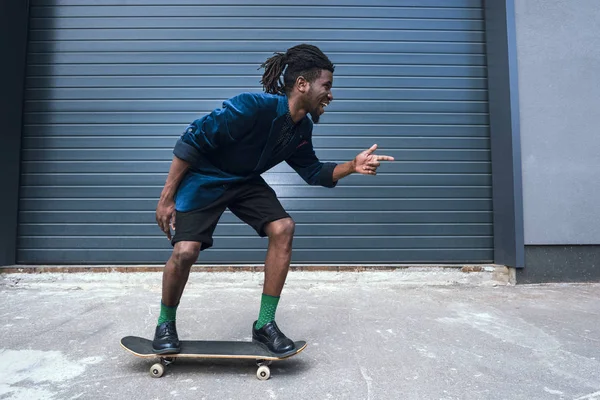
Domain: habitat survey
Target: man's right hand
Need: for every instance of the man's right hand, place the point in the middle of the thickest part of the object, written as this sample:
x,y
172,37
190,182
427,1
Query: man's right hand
x,y
165,216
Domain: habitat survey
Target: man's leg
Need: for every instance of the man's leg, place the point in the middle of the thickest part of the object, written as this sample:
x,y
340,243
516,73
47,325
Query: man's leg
x,y
256,204
193,233
175,276
279,255
277,264
177,271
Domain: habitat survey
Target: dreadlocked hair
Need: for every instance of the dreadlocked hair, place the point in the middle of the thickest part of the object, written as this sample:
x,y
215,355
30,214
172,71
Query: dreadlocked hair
x,y
302,60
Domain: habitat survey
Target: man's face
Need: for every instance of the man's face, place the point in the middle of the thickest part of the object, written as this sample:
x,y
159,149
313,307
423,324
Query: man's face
x,y
319,95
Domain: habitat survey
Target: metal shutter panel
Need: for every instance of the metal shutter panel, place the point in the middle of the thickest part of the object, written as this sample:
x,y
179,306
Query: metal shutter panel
x,y
111,86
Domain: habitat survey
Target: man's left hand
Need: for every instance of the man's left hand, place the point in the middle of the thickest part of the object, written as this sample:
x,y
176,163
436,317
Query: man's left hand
x,y
366,163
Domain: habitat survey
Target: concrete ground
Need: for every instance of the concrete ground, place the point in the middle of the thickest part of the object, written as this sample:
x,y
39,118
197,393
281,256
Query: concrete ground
x,y
405,334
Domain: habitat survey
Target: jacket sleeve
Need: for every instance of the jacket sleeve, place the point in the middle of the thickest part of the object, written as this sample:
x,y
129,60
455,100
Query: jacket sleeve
x,y
305,162
221,127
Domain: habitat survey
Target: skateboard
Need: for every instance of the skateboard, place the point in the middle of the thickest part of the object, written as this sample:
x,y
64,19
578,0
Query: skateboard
x,y
209,349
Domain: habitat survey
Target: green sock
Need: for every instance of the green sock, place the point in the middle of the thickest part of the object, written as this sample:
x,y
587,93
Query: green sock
x,y
166,313
268,306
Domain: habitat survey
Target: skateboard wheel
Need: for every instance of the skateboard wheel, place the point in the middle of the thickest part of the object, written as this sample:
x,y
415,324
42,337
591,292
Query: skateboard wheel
x,y
157,370
263,373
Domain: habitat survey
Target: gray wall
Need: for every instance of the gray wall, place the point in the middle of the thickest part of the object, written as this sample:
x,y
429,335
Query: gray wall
x,y
558,47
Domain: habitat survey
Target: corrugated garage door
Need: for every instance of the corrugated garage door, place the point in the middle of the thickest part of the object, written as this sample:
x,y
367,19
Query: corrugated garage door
x,y
112,84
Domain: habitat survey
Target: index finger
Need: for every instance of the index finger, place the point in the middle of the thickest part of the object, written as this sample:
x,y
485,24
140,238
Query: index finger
x,y
384,158
173,221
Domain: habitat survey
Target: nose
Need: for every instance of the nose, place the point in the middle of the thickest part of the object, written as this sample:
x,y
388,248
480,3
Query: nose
x,y
330,96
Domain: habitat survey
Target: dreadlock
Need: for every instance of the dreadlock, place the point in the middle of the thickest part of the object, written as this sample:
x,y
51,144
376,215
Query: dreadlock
x,y
302,60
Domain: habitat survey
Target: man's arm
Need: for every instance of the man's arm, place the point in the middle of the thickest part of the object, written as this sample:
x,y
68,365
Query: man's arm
x,y
307,165
365,163
165,210
314,172
343,170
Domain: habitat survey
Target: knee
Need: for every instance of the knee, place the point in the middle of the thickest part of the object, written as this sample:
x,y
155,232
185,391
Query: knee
x,y
282,229
186,254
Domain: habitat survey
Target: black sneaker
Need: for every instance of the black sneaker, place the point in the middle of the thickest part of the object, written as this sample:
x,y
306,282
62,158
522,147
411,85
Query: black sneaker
x,y
165,339
272,338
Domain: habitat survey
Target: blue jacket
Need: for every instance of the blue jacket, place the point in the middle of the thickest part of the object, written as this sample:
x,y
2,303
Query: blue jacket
x,y
235,144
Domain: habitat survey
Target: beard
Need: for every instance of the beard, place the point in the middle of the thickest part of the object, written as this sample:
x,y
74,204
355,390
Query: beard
x,y
314,115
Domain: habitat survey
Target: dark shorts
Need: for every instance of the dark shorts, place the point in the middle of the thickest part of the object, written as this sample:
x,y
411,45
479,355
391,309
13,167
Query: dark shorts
x,y
253,202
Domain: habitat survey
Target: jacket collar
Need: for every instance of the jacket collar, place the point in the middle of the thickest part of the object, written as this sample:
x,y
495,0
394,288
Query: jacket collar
x,y
283,106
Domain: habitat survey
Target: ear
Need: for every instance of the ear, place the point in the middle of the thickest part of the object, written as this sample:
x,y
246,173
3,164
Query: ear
x,y
302,84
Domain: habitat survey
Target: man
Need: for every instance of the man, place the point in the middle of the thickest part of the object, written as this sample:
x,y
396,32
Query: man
x,y
217,165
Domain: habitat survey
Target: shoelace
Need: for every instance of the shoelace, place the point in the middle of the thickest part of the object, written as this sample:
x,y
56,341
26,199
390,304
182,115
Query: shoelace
x,y
274,331
169,330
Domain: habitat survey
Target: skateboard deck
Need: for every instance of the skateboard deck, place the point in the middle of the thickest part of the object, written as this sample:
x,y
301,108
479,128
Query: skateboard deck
x,y
209,349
